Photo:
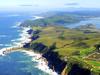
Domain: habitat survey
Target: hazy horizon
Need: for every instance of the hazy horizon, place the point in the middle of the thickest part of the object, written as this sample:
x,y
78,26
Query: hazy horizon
x,y
46,5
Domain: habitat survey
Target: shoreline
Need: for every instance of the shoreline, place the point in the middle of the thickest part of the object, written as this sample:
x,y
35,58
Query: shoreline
x,y
42,63
24,38
37,57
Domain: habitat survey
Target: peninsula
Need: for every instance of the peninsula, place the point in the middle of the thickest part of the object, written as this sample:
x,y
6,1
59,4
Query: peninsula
x,y
69,51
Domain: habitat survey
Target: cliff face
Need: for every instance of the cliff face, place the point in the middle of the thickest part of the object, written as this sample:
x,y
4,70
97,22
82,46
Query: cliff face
x,y
54,62
61,46
64,72
68,51
76,70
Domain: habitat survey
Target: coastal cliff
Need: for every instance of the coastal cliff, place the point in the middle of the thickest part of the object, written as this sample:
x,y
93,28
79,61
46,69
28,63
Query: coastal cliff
x,y
60,50
68,51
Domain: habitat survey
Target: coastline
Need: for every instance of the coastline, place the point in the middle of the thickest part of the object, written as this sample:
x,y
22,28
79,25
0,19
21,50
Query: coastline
x,y
37,57
17,45
42,63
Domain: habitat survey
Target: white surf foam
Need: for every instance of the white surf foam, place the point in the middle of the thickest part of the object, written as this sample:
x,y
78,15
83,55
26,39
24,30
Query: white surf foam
x,y
42,65
13,40
17,24
1,44
24,39
8,45
3,35
12,15
36,17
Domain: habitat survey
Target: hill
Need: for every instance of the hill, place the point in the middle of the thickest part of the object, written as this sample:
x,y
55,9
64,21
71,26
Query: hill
x,y
68,51
68,47
59,19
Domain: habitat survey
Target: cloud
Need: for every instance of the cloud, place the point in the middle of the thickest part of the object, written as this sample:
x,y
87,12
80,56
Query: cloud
x,y
26,5
71,4
29,5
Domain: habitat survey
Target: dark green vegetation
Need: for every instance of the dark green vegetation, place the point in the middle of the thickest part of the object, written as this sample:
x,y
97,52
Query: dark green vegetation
x,y
59,19
77,49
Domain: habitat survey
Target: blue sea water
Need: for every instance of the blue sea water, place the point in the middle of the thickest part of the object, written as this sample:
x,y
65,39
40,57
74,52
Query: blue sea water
x,y
16,63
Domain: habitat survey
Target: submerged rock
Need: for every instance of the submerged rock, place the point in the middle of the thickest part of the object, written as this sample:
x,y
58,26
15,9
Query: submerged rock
x,y
26,45
30,31
34,38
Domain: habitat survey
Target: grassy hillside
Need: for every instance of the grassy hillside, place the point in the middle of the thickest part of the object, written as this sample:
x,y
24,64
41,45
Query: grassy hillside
x,y
73,45
78,47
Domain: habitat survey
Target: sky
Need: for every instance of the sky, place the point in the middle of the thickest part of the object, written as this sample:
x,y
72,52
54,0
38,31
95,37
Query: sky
x,y
28,5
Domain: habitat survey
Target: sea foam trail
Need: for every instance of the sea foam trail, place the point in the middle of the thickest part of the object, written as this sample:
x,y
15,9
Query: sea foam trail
x,y
3,35
38,17
25,38
17,24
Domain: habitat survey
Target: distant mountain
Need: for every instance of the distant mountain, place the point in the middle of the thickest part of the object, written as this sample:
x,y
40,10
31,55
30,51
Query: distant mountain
x,y
56,19
87,12
79,11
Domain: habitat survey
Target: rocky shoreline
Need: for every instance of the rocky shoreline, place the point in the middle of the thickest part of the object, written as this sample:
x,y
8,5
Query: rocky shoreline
x,y
26,38
50,59
69,65
42,62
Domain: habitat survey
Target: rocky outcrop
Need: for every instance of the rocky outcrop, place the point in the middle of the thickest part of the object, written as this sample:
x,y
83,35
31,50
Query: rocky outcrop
x,y
97,47
77,70
26,45
64,72
30,31
34,37
54,62
39,47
